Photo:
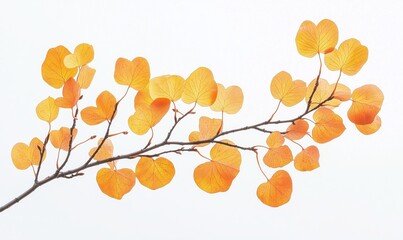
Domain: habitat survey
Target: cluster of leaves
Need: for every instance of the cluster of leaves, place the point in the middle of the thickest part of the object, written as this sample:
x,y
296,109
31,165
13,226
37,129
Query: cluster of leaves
x,y
156,96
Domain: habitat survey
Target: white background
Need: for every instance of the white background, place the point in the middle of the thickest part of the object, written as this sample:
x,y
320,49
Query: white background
x,y
357,192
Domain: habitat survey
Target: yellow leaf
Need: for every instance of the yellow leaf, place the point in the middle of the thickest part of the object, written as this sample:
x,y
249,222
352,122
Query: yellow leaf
x,y
23,156
342,92
275,139
277,191
218,174
105,152
142,98
154,174
367,102
287,91
229,100
370,128
307,159
135,73
208,128
312,39
349,58
328,125
71,94
200,88
47,110
116,183
53,70
104,110
167,86
83,54
60,139
85,77
322,93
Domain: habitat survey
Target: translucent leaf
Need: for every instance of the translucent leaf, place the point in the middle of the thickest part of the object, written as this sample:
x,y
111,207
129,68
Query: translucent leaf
x,y
278,157
287,91
85,77
349,58
60,139
307,159
277,191
322,93
135,73
200,88
83,54
104,110
218,174
208,128
229,100
116,183
312,39
328,125
154,174
147,117
167,86
367,102
142,98
54,72
47,110
71,94
297,130
342,92
275,139
23,156
370,128
105,152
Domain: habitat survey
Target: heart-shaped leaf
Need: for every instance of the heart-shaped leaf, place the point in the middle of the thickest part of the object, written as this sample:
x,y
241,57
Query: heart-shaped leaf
x,y
367,102
208,128
105,152
167,86
47,110
229,100
200,88
154,174
286,90
307,159
85,77
71,94
104,110
135,73
60,139
83,54
328,125
277,191
23,156
297,130
116,183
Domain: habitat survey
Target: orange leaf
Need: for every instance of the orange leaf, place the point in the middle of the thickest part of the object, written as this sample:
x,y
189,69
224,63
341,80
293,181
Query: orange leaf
x,y
287,91
142,98
349,58
278,157
275,139
105,152
104,110
342,92
167,86
83,54
297,129
307,159
154,174
135,73
53,70
218,174
322,93
24,156
328,125
229,100
370,128
200,88
47,110
277,191
116,183
312,39
147,117
367,102
71,94
60,139
85,77
208,128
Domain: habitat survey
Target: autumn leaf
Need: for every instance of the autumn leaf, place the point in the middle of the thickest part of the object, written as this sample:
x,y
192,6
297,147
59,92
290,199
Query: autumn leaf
x,y
154,174
278,154
286,90
349,58
83,54
307,159
367,102
342,92
47,110
297,130
23,156
322,93
54,72
328,125
276,191
208,128
370,128
104,111
167,86
135,73
218,174
312,39
85,77
116,183
60,139
200,88
142,98
275,140
105,152
71,94
229,100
